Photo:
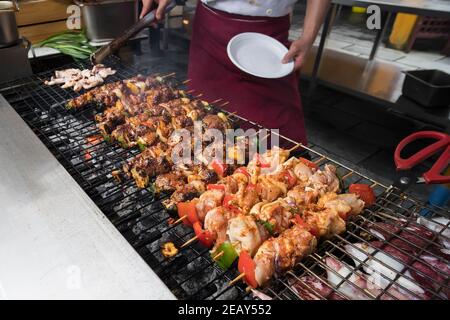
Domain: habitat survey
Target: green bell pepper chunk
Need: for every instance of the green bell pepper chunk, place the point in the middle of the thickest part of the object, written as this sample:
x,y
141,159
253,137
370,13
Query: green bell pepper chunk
x,y
228,256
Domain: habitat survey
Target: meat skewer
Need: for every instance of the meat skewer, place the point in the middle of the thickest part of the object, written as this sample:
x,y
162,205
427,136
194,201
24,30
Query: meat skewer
x,y
275,217
239,182
157,159
277,255
109,93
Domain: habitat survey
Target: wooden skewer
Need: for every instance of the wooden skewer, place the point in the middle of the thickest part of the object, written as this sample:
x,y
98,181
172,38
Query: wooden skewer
x,y
320,160
236,280
347,175
189,242
190,91
265,138
168,75
179,220
224,104
199,95
216,101
217,256
295,147
186,81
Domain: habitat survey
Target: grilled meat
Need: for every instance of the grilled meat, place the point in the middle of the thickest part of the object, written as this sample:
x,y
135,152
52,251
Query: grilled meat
x,y
109,93
277,255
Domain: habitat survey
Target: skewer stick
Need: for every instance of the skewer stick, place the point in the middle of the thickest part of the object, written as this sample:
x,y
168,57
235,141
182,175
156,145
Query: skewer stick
x,y
320,160
347,175
224,104
180,220
217,256
221,253
388,216
186,81
168,75
265,138
199,95
188,242
216,101
190,91
236,280
295,147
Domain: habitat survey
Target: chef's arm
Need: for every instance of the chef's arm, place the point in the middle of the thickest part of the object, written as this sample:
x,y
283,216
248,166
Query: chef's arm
x,y
315,15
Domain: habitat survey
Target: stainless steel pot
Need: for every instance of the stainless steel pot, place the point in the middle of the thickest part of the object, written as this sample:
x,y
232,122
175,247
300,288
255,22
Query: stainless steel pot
x,y
9,35
105,20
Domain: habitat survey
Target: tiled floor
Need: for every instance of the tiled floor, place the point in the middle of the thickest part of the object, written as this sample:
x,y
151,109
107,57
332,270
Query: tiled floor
x,y
350,36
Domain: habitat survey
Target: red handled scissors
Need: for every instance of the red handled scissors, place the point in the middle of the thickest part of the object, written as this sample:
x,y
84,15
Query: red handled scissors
x,y
432,176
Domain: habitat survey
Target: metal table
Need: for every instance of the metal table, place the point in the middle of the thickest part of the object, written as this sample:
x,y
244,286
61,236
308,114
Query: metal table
x,y
55,243
438,8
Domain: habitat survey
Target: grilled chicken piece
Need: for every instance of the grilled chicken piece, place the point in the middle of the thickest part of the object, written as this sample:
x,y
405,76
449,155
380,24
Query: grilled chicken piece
x,y
277,213
170,181
207,201
246,232
216,222
150,162
187,192
214,121
325,180
276,255
270,160
326,222
345,204
302,196
303,172
270,189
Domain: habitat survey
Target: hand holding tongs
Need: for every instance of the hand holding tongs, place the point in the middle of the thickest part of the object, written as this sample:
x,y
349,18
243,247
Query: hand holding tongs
x,y
432,176
106,50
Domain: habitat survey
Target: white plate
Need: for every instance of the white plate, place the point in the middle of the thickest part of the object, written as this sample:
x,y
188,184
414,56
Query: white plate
x,y
259,55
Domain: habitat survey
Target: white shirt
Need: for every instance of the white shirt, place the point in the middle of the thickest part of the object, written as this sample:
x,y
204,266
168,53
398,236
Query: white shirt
x,y
259,8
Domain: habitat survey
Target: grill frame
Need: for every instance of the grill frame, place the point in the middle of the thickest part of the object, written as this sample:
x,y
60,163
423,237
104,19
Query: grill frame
x,y
65,133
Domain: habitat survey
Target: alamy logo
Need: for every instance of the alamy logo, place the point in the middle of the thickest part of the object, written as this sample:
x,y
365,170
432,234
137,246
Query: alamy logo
x,y
374,19
74,20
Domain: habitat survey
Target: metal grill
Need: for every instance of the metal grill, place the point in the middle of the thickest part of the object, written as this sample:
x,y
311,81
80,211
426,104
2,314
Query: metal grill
x,y
140,217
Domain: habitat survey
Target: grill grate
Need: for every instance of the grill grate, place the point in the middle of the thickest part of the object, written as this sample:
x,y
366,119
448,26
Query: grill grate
x,y
140,217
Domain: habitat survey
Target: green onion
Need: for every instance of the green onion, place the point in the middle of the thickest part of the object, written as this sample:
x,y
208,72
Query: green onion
x,y
72,43
269,227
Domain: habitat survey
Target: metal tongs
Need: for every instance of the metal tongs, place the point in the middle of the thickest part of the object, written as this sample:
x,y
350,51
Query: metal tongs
x,y
99,55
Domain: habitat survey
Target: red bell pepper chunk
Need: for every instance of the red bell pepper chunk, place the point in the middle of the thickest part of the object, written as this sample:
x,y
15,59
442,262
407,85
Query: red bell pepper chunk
x,y
216,187
247,266
365,193
310,164
203,236
291,179
242,170
219,167
228,200
188,209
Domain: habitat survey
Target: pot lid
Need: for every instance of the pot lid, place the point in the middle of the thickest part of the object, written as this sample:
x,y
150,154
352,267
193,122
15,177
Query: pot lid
x,y
8,6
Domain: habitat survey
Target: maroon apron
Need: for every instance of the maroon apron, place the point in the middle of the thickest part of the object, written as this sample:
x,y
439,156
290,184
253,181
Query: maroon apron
x,y
272,103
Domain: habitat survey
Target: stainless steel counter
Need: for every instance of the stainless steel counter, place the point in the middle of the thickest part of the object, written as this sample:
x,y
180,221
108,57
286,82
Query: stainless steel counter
x,y
54,241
